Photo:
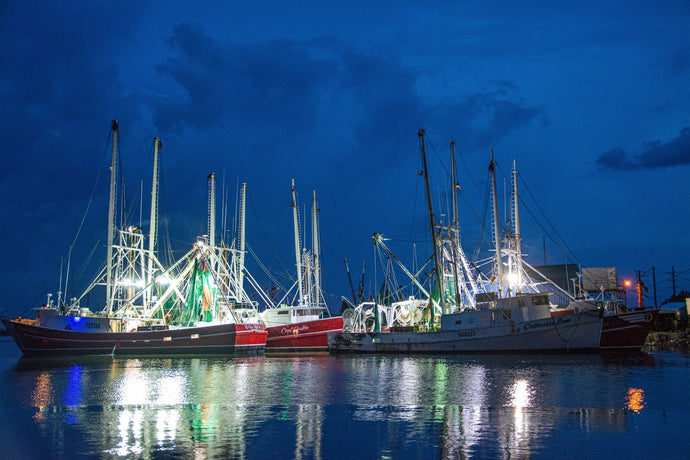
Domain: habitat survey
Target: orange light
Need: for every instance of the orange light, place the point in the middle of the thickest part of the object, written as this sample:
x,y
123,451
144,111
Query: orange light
x,y
626,283
635,400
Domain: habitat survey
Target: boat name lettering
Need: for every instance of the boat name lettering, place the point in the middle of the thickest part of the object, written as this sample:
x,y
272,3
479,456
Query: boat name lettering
x,y
289,330
549,322
471,333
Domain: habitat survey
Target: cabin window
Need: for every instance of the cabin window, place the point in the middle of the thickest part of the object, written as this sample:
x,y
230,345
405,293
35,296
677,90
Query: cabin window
x,y
540,299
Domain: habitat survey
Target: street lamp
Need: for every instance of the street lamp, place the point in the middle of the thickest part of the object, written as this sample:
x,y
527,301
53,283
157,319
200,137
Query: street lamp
x,y
626,285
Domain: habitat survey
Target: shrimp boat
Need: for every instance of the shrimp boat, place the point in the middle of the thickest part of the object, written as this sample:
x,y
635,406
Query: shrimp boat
x,y
302,327
623,328
192,307
462,318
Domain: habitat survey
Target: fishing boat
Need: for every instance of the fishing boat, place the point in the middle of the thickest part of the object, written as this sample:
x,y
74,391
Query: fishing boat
x,y
302,327
473,320
516,324
622,328
627,330
193,306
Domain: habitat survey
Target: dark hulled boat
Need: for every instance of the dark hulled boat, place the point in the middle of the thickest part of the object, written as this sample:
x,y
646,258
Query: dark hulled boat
x,y
628,330
195,306
233,339
622,329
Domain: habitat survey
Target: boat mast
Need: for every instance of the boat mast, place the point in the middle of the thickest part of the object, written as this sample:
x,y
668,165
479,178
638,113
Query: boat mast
x,y
439,274
153,230
298,245
497,229
316,250
460,257
111,219
516,227
212,209
455,241
240,268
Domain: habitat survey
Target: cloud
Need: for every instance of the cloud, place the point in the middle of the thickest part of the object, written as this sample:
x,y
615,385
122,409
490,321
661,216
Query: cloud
x,y
655,155
274,83
320,103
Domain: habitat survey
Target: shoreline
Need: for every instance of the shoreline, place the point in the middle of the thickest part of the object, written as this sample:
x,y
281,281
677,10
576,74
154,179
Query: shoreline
x,y
667,341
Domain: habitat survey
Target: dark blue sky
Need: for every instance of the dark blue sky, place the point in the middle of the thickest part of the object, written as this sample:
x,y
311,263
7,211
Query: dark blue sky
x,y
592,101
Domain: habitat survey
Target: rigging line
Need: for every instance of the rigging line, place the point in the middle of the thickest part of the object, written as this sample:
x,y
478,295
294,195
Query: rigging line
x,y
86,211
88,259
547,220
166,247
263,231
578,261
414,203
470,207
469,173
437,155
93,193
524,204
483,229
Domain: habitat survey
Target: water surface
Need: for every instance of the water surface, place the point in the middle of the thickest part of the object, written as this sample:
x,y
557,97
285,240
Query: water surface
x,y
321,406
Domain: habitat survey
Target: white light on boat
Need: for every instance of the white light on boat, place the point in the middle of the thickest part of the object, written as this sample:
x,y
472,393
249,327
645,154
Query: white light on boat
x,y
164,279
513,279
132,283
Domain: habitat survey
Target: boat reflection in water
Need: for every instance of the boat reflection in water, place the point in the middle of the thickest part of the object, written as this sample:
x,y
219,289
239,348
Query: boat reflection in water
x,y
320,406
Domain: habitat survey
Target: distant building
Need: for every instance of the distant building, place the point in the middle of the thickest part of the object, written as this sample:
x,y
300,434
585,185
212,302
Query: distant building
x,y
599,283
674,315
561,275
600,279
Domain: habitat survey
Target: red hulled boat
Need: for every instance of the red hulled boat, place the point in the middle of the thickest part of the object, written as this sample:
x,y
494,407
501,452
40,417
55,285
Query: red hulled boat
x,y
195,306
302,327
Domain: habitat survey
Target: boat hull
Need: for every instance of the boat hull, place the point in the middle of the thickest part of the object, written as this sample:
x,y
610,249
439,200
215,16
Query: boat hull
x,y
579,332
232,339
305,336
628,330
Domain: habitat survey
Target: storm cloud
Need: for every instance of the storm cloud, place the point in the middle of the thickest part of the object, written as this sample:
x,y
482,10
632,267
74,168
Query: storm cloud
x,y
654,155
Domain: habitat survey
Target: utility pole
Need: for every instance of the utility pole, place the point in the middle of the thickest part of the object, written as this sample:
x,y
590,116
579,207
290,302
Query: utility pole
x,y
673,279
654,285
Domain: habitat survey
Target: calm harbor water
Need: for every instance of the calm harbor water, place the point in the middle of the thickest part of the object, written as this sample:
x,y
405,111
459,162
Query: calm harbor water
x,y
321,406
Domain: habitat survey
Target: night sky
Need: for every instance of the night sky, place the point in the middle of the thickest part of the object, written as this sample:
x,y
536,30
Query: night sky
x,y
592,101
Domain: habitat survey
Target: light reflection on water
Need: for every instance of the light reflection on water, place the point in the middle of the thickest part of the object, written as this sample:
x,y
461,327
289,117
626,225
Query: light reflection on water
x,y
331,407
635,400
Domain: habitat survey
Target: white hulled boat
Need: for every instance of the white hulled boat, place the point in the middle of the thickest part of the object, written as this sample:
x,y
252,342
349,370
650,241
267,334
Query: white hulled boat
x,y
472,321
